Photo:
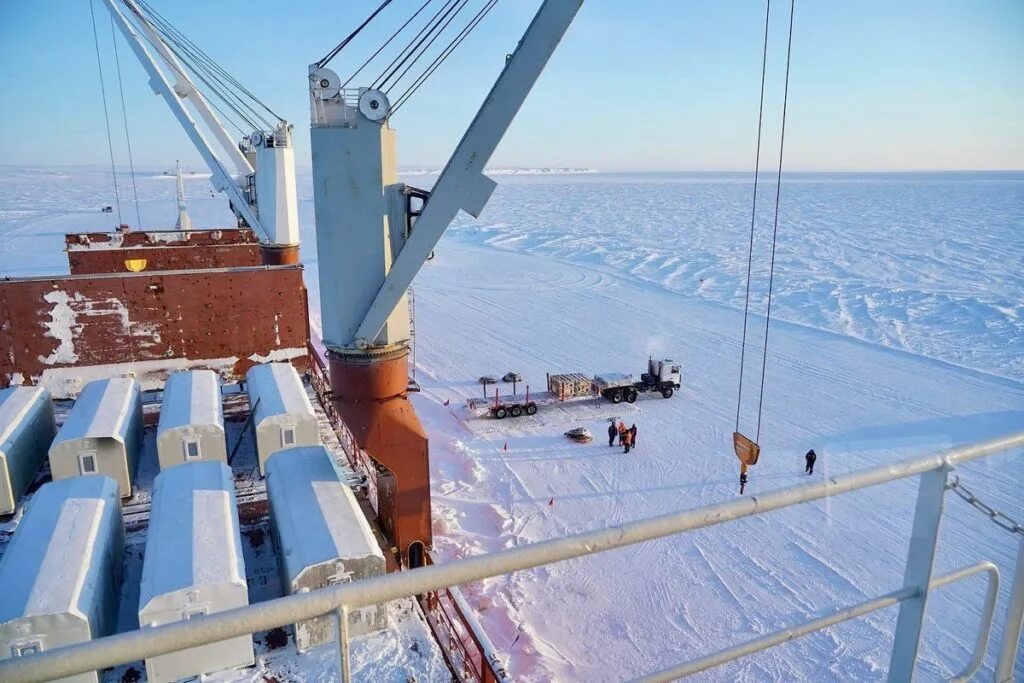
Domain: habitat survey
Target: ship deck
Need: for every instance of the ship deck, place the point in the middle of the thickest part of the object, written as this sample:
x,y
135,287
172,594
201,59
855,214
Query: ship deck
x,y
404,651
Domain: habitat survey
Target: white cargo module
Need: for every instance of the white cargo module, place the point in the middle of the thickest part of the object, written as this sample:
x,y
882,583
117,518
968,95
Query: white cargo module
x,y
26,431
322,538
191,420
283,416
102,434
61,573
193,566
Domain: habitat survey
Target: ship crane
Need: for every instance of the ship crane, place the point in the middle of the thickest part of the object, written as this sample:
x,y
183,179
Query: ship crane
x,y
371,244
257,173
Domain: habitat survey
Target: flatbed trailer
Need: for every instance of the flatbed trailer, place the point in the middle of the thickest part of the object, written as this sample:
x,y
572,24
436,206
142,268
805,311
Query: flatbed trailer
x,y
514,405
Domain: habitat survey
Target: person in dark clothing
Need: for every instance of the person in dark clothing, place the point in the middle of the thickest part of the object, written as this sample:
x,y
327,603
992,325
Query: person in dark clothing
x,y
810,458
632,435
613,432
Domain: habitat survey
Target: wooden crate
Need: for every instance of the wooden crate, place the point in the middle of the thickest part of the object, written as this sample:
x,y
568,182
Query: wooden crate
x,y
569,384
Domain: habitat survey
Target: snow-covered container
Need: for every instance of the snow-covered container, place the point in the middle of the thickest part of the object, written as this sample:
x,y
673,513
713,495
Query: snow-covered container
x,y
191,420
322,538
283,416
193,566
61,573
26,431
102,433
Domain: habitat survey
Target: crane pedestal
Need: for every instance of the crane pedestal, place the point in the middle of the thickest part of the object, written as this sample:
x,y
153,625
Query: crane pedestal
x,y
279,254
370,392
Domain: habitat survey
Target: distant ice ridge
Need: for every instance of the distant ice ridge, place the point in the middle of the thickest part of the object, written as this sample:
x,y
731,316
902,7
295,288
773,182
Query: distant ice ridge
x,y
509,171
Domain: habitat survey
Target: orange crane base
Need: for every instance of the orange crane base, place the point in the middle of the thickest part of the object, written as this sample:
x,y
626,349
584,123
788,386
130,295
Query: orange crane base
x,y
370,393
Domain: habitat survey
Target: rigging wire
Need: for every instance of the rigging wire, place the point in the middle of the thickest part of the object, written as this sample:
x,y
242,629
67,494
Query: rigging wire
x,y
437,34
124,115
246,113
222,84
204,57
106,114
440,59
387,42
341,46
775,228
407,51
753,214
248,123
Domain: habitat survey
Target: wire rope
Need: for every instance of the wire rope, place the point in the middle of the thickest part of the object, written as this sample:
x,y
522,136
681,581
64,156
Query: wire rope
x,y
775,227
341,46
440,59
407,52
437,34
124,116
753,214
386,42
106,113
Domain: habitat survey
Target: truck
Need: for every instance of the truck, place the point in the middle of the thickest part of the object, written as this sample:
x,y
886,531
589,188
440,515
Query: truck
x,y
662,376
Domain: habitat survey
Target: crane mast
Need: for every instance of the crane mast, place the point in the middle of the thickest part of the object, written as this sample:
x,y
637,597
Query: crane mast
x,y
370,246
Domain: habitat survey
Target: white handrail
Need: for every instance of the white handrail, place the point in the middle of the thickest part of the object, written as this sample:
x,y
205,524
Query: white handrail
x,y
128,647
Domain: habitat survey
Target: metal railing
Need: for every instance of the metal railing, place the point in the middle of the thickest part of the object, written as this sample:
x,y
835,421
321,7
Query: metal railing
x,y
339,600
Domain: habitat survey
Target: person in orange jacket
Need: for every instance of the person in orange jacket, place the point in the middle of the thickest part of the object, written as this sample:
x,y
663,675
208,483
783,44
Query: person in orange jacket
x,y
627,440
622,430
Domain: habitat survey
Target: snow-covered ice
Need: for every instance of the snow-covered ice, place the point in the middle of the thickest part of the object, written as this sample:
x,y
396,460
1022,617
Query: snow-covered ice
x,y
899,329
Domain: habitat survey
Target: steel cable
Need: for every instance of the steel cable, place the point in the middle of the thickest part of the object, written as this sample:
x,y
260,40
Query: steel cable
x,y
775,228
386,42
753,214
437,34
407,52
106,113
124,115
341,46
440,59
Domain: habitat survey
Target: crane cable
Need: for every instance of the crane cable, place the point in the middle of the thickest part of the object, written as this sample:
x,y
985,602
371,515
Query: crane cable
x,y
386,42
440,59
124,116
775,228
411,48
748,453
753,215
437,34
341,46
106,114
200,62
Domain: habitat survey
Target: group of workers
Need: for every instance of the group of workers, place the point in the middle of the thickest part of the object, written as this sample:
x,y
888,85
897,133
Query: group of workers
x,y
626,435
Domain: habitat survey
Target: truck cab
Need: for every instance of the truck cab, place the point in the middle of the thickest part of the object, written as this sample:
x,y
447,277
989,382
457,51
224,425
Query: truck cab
x,y
664,375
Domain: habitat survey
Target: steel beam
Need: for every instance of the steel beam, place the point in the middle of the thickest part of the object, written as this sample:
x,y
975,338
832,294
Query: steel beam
x,y
917,573
1012,625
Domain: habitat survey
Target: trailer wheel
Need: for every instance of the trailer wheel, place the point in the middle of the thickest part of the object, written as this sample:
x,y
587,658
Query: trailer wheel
x,y
515,411
500,413
531,408
667,392
631,396
617,397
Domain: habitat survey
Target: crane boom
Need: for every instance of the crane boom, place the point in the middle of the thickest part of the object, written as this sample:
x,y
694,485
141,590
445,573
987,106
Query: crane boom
x,y
462,184
161,86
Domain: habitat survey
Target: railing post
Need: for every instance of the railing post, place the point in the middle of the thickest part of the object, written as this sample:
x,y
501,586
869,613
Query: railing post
x,y
1012,625
918,573
341,616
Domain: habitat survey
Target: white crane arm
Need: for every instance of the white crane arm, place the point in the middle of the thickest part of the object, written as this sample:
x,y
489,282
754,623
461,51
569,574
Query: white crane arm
x,y
462,184
221,179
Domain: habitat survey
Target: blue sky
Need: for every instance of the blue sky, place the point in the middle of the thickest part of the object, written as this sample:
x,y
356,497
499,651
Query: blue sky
x,y
635,85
